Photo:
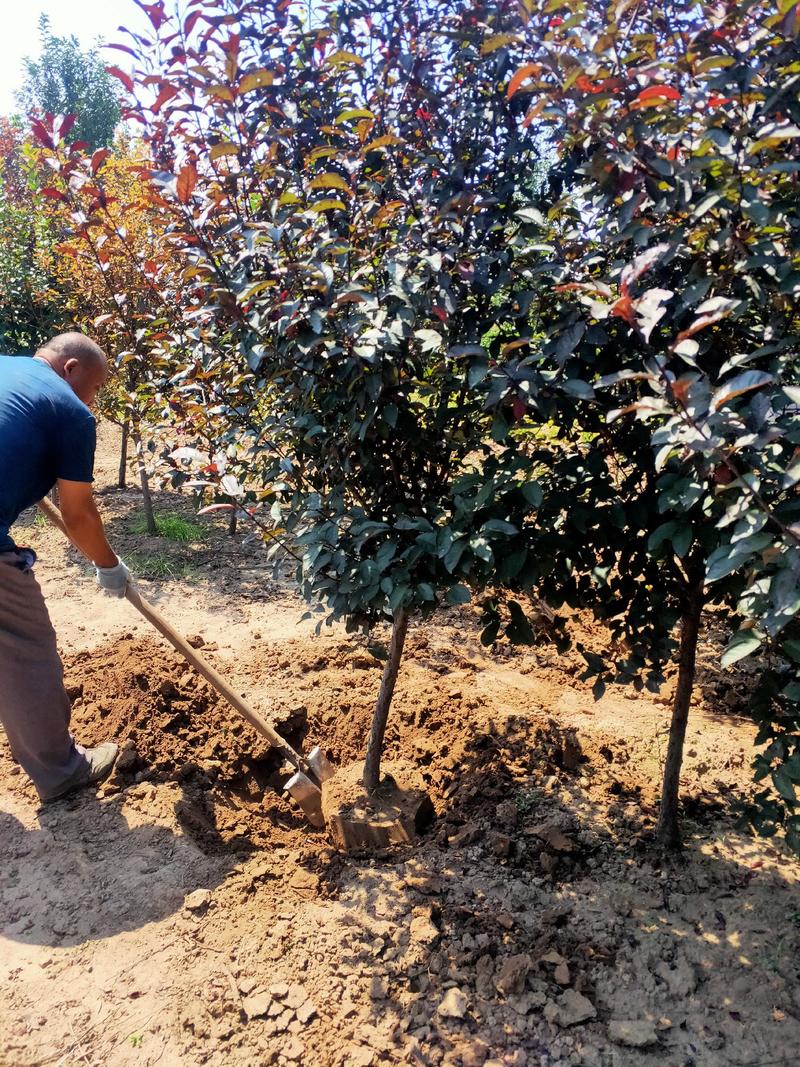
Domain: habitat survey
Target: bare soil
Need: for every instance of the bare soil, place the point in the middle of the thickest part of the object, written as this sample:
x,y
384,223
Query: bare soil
x,y
186,914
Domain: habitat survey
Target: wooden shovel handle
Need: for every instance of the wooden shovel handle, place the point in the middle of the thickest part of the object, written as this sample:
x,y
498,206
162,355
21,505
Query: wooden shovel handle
x,y
192,656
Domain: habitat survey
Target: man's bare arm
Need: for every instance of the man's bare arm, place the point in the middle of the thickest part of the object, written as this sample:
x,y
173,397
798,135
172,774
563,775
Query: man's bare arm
x,y
83,522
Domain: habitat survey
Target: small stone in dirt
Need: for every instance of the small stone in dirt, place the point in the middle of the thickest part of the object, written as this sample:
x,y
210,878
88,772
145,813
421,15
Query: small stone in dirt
x,y
561,974
548,862
484,972
506,814
304,883
499,844
196,641
512,974
281,1023
681,979
469,833
294,1050
306,1011
635,1033
198,900
554,838
127,758
570,1009
571,754
553,957
474,1054
423,930
257,1005
359,1056
525,1003
377,988
555,916
505,920
279,990
453,1005
296,996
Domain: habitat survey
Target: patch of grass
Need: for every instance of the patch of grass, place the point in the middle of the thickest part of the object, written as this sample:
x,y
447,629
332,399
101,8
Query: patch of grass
x,y
173,527
40,519
527,800
156,566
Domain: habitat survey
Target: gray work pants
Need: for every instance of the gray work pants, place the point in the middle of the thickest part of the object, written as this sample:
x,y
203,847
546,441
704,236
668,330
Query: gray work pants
x,y
34,706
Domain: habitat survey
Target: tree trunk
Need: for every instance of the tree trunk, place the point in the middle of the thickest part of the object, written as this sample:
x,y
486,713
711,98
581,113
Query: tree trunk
x,y
147,500
233,522
372,765
122,478
668,832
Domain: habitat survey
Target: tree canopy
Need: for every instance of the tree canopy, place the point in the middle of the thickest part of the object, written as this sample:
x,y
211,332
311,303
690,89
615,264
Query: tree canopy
x,y
68,80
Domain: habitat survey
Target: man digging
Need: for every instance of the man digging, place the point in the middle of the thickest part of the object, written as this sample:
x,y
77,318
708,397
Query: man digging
x,y
47,438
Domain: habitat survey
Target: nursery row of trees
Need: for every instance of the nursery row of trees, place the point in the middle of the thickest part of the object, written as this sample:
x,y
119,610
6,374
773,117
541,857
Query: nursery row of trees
x,y
474,301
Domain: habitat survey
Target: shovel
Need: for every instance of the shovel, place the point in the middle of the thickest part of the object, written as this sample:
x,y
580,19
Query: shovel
x,y
310,771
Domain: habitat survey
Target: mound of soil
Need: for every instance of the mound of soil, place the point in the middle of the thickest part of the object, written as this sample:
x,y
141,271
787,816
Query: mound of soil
x,y
172,726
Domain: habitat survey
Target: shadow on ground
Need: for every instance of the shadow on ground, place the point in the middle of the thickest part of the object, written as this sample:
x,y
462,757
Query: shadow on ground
x,y
139,873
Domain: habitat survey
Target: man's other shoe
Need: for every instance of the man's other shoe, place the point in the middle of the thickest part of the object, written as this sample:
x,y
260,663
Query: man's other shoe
x,y
100,764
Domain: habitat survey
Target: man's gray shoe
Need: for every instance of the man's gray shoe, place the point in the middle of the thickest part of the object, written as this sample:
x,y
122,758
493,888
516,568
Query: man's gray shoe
x,y
101,764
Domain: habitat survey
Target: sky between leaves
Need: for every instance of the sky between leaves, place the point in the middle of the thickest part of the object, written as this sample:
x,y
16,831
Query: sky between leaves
x,y
88,20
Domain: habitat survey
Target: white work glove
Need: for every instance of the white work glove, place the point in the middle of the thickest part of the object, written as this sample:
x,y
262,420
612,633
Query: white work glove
x,y
113,580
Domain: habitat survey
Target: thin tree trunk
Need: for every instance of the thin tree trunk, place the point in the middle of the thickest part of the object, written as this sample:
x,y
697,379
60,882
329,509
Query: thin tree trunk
x,y
233,522
372,765
147,500
668,832
122,478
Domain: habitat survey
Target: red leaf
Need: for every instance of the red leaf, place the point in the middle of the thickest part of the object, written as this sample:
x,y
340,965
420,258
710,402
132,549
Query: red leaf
x,y
522,75
723,475
607,85
99,158
190,21
122,48
41,133
187,180
155,12
79,146
53,194
166,94
654,92
67,123
624,309
122,76
519,407
643,262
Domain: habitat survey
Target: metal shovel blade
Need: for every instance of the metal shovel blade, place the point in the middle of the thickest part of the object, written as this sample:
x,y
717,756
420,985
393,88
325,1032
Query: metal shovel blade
x,y
320,764
308,796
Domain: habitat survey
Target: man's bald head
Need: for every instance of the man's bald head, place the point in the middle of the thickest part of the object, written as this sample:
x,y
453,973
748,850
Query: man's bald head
x,y
79,361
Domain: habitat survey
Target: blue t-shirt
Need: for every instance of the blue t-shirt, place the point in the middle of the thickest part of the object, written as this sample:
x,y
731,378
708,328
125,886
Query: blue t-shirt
x,y
46,433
